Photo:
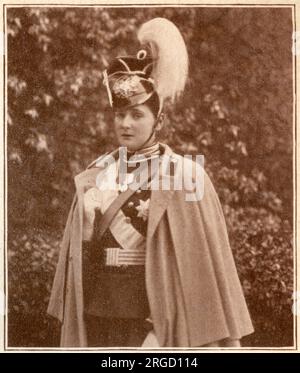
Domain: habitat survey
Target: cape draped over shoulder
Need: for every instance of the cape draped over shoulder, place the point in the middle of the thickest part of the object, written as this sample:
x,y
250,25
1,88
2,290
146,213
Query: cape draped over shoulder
x,y
193,288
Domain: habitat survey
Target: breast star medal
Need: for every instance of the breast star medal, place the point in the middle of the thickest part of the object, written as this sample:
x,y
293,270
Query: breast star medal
x,y
143,209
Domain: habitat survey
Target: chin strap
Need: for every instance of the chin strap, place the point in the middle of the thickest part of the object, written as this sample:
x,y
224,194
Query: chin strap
x,y
150,136
148,139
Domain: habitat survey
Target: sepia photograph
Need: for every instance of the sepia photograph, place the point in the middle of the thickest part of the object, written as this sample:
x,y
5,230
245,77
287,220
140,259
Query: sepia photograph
x,y
150,167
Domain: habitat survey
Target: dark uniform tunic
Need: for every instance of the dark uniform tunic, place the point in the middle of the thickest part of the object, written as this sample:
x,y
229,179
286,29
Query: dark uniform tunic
x,y
116,304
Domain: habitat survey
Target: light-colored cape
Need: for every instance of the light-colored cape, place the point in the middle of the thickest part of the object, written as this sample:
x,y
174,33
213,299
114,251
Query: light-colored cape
x,y
193,288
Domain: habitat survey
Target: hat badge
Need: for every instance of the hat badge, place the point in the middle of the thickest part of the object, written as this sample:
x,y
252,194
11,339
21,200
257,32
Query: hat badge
x,y
126,86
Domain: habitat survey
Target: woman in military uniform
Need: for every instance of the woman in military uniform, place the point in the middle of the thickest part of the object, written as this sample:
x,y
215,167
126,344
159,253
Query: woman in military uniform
x,y
141,266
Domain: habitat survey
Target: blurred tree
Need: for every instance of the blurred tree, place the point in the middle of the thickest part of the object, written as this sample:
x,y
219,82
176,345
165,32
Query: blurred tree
x,y
234,111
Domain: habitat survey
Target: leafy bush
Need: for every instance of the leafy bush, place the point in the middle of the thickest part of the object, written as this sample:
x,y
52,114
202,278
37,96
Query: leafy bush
x,y
32,259
263,251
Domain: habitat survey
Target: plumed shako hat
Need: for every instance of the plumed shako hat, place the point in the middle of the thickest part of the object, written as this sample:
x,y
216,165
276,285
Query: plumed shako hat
x,y
159,67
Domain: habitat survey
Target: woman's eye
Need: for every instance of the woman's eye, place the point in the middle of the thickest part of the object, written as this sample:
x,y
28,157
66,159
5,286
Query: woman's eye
x,y
119,116
137,115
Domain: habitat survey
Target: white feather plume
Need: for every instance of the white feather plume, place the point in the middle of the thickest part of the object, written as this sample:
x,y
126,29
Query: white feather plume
x,y
171,59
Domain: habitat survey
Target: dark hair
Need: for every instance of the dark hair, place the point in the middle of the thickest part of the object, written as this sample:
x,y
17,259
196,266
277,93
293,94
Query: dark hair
x,y
153,104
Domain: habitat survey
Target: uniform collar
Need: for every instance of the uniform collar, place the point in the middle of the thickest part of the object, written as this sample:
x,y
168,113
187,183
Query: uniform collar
x,y
104,159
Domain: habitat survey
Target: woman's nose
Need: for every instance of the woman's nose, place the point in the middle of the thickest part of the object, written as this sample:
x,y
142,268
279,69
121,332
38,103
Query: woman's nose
x,y
126,122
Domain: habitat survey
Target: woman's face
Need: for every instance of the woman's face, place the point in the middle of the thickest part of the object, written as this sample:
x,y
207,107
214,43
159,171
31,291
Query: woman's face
x,y
133,126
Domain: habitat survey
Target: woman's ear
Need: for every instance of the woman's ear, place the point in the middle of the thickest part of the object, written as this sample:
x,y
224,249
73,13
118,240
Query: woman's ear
x,y
160,122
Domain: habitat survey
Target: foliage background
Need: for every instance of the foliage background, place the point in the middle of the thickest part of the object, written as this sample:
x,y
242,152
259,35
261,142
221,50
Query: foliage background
x,y
237,111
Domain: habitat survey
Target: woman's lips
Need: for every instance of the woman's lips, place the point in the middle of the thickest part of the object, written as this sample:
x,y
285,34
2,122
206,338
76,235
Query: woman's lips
x,y
126,136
